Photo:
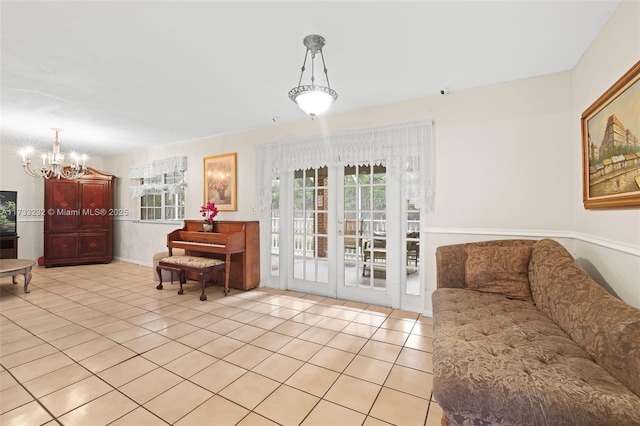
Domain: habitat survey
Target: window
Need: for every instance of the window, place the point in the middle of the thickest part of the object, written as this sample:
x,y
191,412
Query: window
x,y
167,203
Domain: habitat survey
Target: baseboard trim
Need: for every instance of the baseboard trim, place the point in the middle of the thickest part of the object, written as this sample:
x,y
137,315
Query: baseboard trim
x,y
135,262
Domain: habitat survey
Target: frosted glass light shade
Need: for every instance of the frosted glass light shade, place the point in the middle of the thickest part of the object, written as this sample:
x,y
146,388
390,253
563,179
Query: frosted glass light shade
x,y
314,102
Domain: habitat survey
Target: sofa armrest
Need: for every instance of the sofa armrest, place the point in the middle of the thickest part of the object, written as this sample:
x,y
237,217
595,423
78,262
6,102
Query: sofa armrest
x,y
450,265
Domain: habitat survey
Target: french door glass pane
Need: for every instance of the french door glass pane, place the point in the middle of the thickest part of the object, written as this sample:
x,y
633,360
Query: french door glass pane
x,y
413,251
275,227
364,220
310,223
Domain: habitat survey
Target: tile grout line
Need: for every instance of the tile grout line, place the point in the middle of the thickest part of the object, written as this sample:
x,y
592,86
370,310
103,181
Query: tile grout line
x,y
244,343
37,400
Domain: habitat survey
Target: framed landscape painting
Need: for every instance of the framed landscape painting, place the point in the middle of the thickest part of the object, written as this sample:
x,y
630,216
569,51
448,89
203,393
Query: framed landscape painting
x,y
220,181
611,146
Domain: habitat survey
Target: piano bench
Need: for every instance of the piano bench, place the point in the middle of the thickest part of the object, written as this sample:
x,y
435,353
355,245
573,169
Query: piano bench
x,y
183,264
166,275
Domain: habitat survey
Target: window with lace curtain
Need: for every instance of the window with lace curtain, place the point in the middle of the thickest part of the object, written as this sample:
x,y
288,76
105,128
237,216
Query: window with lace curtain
x,y
160,185
163,205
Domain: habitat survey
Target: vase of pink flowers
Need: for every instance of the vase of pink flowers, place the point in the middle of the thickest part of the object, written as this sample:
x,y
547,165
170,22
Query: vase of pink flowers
x,y
209,211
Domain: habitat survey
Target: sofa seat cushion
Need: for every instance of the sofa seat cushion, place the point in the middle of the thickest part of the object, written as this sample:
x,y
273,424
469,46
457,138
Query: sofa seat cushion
x,y
502,361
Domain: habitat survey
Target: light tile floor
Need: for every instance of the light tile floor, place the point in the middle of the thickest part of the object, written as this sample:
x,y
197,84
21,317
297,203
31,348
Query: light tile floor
x,y
98,344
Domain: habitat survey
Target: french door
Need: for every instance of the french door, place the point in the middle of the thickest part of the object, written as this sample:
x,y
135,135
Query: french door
x,y
333,233
364,227
347,213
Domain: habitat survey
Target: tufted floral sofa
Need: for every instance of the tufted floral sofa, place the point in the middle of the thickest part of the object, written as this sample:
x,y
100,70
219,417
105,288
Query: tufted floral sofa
x,y
522,336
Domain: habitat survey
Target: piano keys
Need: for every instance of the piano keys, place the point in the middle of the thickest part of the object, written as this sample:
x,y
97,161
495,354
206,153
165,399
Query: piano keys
x,y
235,242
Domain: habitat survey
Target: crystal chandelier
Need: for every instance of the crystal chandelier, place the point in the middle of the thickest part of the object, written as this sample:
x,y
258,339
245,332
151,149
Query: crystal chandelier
x,y
311,98
52,163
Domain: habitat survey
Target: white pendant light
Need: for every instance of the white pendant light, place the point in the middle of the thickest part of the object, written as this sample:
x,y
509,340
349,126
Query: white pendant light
x,y
311,98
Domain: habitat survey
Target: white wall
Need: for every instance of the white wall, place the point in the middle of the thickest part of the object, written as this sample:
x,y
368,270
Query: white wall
x,y
609,243
30,200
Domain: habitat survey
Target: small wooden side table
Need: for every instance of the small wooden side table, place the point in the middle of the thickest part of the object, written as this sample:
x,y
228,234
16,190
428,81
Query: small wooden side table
x,y
15,267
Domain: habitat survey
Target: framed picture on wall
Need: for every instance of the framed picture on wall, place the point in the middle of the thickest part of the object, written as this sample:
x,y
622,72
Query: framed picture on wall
x,y
611,146
220,181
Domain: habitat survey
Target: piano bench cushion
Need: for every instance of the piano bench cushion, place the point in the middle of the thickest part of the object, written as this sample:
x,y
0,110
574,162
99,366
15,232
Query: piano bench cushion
x,y
166,275
193,261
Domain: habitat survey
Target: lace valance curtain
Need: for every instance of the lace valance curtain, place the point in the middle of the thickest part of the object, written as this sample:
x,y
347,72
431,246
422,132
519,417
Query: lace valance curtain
x,y
156,170
405,149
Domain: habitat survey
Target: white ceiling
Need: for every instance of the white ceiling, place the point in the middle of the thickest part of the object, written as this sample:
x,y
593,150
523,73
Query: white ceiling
x,y
121,76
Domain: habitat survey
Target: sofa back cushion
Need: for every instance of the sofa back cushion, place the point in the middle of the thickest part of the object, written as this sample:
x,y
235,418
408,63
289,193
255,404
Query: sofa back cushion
x,y
501,270
603,325
451,260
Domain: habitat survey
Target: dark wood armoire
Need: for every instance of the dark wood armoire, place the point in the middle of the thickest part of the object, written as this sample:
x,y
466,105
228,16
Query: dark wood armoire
x,y
78,225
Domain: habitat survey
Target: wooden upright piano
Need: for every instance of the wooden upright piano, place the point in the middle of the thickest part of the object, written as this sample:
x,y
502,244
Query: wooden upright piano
x,y
233,241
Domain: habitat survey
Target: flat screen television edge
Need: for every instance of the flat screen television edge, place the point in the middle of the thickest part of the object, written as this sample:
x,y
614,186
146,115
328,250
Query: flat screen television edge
x,y
8,211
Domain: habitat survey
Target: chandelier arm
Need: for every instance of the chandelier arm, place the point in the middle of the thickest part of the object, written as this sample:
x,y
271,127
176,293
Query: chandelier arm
x,y
304,63
326,74
28,170
38,173
57,171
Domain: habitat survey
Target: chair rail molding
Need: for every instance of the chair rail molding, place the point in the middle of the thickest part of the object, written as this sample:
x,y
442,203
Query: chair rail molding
x,y
632,249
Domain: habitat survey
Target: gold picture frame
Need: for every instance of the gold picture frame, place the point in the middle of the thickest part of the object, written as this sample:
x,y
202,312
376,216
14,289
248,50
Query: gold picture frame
x,y
611,146
220,185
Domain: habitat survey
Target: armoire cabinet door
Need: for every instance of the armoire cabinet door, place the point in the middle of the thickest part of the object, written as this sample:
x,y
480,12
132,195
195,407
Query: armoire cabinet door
x,y
62,205
95,204
94,243
61,246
